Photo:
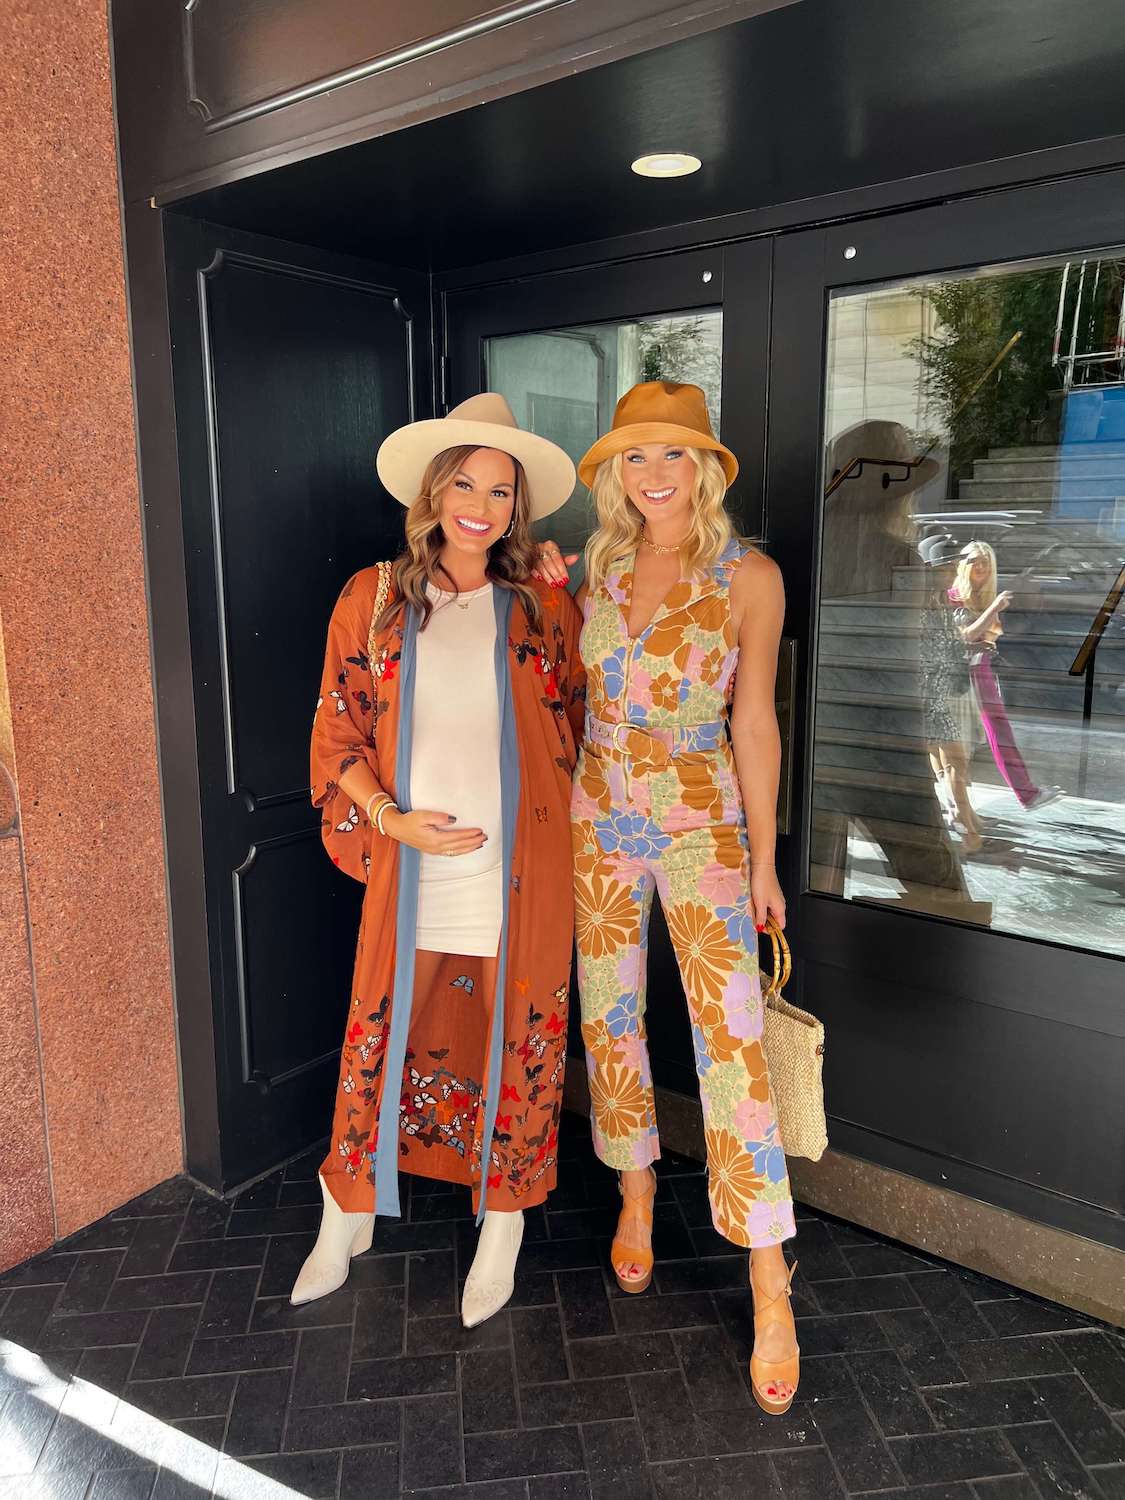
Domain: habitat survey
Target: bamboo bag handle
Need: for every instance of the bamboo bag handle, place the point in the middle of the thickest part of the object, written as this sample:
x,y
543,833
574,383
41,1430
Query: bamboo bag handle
x,y
776,981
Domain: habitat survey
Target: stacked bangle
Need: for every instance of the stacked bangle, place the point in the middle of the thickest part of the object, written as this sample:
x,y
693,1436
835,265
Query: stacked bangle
x,y
380,801
375,797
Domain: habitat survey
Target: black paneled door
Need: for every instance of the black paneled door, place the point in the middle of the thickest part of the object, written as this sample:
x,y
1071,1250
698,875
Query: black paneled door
x,y
290,367
954,552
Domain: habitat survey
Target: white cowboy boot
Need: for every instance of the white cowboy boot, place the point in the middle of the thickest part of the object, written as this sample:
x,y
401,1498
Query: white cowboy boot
x,y
326,1266
492,1277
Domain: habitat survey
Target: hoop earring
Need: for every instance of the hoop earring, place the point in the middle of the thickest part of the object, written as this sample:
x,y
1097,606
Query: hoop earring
x,y
511,527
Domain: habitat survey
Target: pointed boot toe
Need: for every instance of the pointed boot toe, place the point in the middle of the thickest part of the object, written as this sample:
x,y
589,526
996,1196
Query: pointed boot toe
x,y
492,1276
483,1298
342,1236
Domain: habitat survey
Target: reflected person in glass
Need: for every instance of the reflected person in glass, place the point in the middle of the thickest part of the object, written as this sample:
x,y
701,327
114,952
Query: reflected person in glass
x,y
675,793
945,685
977,610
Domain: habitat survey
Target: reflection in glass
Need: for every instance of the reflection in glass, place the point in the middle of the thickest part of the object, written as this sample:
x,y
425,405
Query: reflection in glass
x,y
564,384
970,721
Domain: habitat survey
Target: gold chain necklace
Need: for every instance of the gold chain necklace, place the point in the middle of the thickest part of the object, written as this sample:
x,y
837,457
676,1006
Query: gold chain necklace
x,y
659,548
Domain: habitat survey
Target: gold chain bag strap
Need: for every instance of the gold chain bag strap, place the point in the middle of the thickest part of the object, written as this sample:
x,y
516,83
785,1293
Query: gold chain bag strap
x,y
794,1047
382,595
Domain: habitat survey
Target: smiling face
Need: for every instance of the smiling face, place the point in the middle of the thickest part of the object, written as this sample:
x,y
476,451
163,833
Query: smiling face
x,y
980,571
659,479
476,505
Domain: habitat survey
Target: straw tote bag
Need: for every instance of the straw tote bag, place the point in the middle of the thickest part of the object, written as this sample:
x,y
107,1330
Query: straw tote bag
x,y
794,1047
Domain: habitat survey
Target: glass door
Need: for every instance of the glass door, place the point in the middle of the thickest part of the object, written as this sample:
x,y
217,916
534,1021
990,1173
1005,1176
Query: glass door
x,y
969,752
563,348
947,490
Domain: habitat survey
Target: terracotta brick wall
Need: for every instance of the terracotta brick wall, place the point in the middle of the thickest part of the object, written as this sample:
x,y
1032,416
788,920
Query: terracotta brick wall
x,y
89,1001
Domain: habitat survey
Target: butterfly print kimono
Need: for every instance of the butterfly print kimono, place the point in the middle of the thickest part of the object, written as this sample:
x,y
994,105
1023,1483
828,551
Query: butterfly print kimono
x,y
456,1088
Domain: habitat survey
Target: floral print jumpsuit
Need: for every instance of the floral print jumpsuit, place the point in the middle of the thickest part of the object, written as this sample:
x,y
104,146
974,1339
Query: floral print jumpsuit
x,y
656,805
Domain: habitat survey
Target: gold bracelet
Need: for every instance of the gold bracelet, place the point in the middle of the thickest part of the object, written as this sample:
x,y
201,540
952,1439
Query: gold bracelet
x,y
374,797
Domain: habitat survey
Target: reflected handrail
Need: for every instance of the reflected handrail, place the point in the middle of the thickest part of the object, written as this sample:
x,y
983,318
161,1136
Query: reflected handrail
x,y
1106,611
858,464
1086,664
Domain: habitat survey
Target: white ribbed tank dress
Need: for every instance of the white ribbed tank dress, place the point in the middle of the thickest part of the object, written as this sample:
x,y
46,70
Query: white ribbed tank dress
x,y
455,768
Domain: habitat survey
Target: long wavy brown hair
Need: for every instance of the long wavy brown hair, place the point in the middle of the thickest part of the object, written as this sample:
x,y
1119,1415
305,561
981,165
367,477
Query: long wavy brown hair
x,y
510,558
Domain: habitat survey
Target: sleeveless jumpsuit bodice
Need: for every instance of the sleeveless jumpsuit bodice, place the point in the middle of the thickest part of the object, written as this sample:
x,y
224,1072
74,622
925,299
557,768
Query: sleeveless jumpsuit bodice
x,y
656,808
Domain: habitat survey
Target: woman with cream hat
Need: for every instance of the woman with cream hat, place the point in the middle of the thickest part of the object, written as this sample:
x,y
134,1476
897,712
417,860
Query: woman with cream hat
x,y
442,748
676,793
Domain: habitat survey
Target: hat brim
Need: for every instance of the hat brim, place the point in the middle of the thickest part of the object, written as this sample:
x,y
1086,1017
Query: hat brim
x,y
639,433
405,455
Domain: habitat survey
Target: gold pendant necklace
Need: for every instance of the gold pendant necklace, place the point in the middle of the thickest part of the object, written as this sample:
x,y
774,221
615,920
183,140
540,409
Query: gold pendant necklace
x,y
659,548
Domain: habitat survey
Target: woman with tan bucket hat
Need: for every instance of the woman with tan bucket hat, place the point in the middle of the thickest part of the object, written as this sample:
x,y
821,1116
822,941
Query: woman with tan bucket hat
x,y
676,792
442,749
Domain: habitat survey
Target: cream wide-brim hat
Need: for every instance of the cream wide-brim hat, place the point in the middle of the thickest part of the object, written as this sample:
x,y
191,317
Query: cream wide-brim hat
x,y
484,421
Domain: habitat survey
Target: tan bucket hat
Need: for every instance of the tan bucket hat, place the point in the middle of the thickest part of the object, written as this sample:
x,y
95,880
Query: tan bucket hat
x,y
658,411
485,421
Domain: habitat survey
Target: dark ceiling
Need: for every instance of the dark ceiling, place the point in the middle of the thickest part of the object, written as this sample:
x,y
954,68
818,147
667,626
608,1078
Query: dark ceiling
x,y
816,98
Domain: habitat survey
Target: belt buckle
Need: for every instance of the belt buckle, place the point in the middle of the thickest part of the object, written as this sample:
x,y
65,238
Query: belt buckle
x,y
652,753
617,728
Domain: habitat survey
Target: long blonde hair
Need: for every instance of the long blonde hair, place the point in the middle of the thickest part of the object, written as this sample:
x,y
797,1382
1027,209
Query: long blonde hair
x,y
620,523
962,590
510,558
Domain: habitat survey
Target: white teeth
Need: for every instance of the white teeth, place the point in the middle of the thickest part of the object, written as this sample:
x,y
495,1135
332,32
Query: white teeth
x,y
658,494
473,525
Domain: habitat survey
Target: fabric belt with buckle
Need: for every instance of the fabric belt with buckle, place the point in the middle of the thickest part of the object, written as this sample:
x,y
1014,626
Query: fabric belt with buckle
x,y
657,745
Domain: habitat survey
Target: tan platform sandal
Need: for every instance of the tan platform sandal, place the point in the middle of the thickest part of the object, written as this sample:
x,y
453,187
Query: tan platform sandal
x,y
636,1206
765,1374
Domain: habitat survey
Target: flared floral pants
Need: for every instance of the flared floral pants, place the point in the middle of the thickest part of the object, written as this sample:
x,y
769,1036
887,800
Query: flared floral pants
x,y
632,836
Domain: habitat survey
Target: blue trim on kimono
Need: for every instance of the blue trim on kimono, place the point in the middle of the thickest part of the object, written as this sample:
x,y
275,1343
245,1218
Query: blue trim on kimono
x,y
406,913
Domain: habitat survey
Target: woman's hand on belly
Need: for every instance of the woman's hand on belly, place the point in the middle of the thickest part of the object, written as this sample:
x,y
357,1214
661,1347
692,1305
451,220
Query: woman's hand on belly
x,y
432,832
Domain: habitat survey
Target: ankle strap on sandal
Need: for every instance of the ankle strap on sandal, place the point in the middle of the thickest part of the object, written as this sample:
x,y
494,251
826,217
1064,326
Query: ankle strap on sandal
x,y
648,1192
763,1303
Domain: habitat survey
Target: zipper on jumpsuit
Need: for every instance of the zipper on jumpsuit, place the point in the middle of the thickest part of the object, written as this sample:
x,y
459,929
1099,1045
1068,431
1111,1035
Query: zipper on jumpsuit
x,y
634,642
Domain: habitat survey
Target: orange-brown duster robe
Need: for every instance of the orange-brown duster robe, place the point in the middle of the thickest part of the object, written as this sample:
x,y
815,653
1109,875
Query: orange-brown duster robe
x,y
461,1069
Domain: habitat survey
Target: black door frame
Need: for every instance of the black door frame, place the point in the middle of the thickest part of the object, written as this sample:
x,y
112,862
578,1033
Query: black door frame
x,y
1045,994
773,369
1066,213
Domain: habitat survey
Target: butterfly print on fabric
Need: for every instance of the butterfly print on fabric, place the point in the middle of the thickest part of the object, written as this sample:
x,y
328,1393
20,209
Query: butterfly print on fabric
x,y
523,650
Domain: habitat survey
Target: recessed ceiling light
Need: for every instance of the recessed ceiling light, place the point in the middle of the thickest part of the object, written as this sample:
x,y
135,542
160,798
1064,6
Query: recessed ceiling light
x,y
667,164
